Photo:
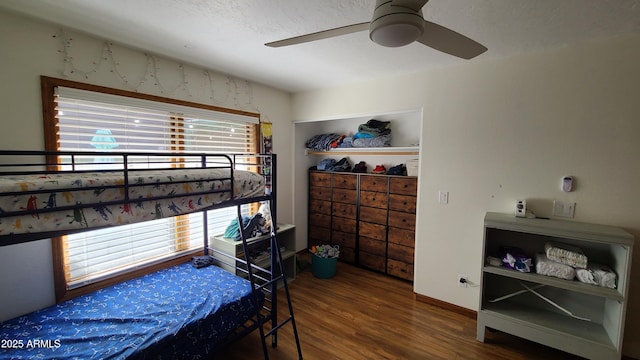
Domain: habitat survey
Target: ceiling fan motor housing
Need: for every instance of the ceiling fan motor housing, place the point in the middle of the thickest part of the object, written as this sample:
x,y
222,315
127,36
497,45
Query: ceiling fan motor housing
x,y
395,26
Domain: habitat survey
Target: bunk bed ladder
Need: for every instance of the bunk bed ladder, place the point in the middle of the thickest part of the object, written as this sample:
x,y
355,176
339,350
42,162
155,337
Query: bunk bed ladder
x,y
277,275
271,286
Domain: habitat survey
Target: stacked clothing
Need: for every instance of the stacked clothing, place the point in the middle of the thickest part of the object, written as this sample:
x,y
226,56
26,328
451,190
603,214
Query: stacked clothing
x,y
372,129
374,133
324,142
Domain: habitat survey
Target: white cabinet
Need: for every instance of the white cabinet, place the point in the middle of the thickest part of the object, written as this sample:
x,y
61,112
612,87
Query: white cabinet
x,y
257,246
560,322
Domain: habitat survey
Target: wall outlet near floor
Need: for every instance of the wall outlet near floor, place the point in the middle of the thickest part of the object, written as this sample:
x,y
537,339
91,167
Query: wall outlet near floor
x,y
462,281
563,209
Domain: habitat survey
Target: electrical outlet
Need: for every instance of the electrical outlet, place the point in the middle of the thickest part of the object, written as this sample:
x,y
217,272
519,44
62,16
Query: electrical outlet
x,y
462,281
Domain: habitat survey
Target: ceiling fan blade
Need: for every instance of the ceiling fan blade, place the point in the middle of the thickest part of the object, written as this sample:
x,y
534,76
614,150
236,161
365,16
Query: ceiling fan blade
x,y
415,5
344,30
450,42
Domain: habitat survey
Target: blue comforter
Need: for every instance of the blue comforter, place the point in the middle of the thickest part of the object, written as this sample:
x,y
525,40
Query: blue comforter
x,y
177,313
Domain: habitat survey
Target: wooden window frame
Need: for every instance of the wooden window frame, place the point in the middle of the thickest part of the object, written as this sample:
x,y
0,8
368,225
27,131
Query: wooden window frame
x,y
51,141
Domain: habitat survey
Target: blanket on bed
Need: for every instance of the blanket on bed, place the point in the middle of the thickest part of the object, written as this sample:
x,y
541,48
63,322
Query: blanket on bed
x,y
176,313
93,200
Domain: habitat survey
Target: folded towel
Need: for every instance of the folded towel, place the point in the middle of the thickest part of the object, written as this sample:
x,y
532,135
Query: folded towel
x,y
547,267
566,254
597,274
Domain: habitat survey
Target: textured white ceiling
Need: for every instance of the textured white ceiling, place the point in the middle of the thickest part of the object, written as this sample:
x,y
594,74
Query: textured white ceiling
x,y
229,35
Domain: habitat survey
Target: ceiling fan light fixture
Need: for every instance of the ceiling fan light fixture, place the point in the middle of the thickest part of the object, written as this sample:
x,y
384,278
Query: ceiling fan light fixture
x,y
397,29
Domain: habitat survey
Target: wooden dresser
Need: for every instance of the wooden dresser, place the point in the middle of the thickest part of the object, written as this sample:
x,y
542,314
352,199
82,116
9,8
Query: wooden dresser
x,y
371,217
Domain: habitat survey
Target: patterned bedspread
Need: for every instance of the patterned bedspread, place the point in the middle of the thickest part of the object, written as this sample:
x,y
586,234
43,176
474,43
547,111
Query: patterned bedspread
x,y
90,200
177,313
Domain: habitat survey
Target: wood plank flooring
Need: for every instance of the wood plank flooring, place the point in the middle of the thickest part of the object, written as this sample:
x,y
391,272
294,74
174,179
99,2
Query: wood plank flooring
x,y
359,314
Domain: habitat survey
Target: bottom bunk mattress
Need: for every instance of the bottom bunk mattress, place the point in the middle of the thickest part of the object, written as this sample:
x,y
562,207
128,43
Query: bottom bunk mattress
x,y
176,313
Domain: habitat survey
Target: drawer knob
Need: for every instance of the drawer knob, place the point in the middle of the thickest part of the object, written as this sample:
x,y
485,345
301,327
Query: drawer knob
x,y
374,199
404,203
406,186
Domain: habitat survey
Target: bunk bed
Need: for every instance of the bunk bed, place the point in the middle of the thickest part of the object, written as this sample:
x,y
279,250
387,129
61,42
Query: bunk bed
x,y
178,312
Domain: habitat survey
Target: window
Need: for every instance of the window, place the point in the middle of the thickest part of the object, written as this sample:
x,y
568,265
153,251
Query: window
x,y
88,118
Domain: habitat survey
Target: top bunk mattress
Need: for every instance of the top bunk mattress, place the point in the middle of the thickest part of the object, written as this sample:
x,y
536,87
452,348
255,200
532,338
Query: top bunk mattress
x,y
72,201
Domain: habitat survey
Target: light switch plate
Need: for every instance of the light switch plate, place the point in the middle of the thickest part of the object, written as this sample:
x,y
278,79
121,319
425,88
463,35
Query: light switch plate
x,y
443,197
563,209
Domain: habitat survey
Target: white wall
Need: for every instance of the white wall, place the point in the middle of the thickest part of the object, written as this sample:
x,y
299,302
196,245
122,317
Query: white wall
x,y
29,50
497,131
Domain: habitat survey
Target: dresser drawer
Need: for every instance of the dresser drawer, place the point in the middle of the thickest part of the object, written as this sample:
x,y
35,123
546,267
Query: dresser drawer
x,y
347,255
319,179
403,185
402,220
344,225
320,207
345,181
373,199
318,236
400,269
404,203
344,210
374,262
320,220
401,236
401,253
372,246
373,215
374,183
343,239
344,196
374,231
320,193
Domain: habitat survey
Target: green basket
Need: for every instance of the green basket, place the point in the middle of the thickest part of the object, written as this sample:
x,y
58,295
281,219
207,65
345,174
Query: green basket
x,y
323,268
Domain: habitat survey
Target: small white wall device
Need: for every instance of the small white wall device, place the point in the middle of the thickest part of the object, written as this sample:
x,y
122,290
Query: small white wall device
x,y
521,208
567,183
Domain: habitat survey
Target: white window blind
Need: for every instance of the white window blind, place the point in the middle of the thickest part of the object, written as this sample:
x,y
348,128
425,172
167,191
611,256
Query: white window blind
x,y
91,121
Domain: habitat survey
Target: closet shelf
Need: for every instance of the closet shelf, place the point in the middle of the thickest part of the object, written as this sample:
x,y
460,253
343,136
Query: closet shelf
x,y
391,150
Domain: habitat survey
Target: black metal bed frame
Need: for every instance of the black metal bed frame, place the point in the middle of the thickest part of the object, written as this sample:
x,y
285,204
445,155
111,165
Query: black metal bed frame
x,y
266,281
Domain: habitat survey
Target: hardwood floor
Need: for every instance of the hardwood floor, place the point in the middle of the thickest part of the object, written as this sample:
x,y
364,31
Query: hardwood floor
x,y
359,314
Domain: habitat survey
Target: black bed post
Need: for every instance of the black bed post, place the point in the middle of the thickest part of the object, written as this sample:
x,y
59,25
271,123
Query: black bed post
x,y
203,164
275,249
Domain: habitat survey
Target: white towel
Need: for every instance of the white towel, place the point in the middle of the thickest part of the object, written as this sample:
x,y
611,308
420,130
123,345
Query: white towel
x,y
597,274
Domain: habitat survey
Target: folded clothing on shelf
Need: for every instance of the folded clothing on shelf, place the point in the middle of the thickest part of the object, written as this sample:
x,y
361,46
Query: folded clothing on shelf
x,y
514,258
566,254
597,274
323,142
547,267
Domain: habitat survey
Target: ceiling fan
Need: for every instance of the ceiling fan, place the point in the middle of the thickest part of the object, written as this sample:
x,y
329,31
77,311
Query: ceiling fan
x,y
397,23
